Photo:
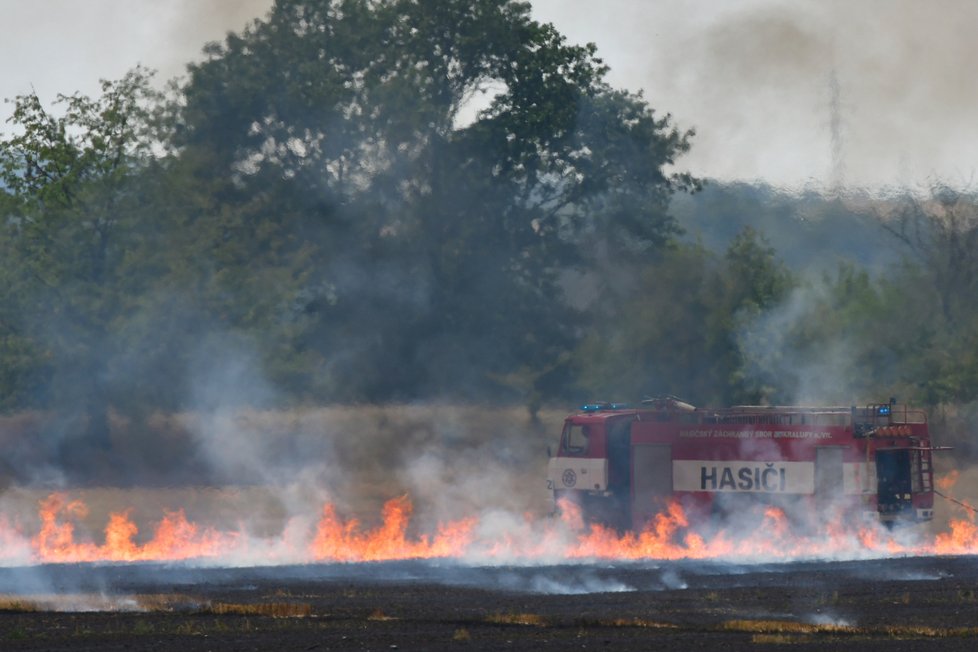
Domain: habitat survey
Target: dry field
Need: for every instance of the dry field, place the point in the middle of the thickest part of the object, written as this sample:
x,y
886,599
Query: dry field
x,y
263,467
896,604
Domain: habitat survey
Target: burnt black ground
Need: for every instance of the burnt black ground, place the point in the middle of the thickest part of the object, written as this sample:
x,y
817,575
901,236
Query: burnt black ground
x,y
895,604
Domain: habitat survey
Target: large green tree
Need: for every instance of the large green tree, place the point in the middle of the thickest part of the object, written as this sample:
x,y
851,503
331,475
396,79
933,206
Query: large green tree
x,y
72,201
438,165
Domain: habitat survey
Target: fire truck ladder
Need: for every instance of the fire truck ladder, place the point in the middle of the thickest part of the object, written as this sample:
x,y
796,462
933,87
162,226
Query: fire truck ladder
x,y
925,473
925,464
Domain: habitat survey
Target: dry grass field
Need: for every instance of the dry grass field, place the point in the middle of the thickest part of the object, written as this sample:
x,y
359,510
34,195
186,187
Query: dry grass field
x,y
263,467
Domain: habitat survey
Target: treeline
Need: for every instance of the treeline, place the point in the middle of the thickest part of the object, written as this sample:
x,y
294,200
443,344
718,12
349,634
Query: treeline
x,y
353,201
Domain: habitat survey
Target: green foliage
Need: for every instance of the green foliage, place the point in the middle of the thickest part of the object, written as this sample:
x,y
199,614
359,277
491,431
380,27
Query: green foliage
x,y
814,348
677,330
755,278
663,337
811,232
71,230
940,233
431,225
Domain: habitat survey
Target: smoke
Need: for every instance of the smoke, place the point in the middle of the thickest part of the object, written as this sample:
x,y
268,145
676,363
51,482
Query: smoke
x,y
579,586
226,379
70,46
456,474
452,461
775,355
828,619
754,78
796,353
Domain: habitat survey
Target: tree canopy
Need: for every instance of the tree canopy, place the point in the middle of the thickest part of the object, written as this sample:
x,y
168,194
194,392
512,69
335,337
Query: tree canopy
x,y
357,124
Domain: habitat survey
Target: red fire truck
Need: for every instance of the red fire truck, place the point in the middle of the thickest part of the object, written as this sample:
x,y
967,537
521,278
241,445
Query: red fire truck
x,y
623,464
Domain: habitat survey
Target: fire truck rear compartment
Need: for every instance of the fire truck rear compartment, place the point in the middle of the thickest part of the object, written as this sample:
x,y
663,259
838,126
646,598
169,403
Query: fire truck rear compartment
x,y
894,482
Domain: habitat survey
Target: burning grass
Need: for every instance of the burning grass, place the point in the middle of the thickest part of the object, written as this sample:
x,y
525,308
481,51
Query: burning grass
x,y
378,615
476,501
334,538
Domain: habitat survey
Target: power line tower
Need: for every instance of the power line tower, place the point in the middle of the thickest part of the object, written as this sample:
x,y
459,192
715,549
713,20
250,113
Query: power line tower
x,y
837,172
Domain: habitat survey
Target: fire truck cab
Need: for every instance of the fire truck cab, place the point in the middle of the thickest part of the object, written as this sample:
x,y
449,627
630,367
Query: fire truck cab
x,y
623,464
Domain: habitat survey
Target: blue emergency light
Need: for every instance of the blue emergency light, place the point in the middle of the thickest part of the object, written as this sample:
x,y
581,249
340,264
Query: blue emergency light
x,y
594,407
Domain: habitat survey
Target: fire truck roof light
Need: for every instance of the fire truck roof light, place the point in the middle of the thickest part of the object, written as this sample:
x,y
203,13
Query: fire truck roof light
x,y
594,407
883,410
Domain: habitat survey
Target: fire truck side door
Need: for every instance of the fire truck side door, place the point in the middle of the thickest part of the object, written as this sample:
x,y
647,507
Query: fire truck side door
x,y
620,474
828,475
651,480
619,460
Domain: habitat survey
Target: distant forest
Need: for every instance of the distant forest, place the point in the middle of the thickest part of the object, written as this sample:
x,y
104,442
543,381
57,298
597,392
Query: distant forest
x,y
361,202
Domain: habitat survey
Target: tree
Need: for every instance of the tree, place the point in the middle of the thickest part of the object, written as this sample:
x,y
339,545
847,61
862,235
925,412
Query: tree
x,y
754,283
71,231
661,337
686,327
941,235
756,278
433,233
939,279
18,355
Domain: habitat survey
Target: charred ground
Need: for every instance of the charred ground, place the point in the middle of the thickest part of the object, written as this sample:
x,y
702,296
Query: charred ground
x,y
907,603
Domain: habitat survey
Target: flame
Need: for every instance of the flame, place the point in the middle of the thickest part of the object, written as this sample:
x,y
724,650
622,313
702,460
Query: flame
x,y
946,482
61,538
337,540
961,540
175,537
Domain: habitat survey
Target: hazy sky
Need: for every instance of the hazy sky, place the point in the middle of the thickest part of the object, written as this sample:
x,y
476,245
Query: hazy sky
x,y
753,77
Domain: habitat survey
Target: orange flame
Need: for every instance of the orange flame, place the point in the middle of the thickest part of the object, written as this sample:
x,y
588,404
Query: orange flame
x,y
961,540
337,540
175,537
668,536
946,482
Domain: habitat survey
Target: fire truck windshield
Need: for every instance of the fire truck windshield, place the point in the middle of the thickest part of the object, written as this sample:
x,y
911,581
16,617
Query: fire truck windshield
x,y
575,439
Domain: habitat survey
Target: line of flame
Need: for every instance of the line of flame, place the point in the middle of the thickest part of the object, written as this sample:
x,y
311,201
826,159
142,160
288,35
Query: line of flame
x,y
668,536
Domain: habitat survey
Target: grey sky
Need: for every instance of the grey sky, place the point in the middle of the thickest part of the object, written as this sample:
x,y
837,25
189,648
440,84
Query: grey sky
x,y
752,76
